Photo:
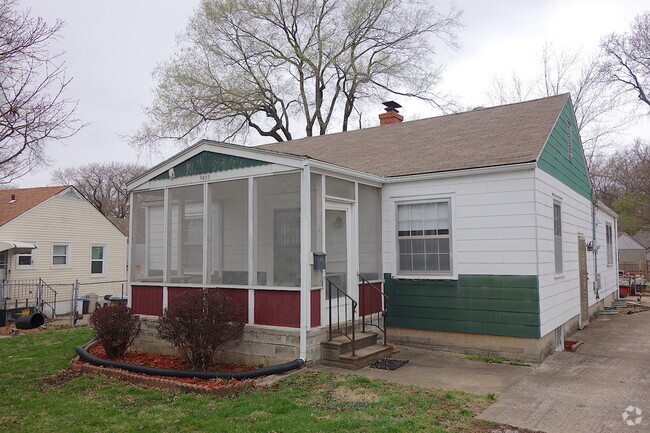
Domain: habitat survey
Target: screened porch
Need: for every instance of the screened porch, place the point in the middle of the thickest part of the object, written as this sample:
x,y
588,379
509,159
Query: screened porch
x,y
254,236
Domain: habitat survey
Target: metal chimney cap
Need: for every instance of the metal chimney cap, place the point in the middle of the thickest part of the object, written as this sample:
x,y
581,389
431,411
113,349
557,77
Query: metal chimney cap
x,y
391,106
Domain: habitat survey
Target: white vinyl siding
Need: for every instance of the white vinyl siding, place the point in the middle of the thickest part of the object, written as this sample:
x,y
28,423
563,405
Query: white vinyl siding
x,y
492,222
559,297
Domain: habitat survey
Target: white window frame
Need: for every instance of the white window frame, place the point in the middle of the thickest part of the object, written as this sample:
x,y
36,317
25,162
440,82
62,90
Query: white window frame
x,y
397,273
609,240
67,255
103,260
558,246
32,265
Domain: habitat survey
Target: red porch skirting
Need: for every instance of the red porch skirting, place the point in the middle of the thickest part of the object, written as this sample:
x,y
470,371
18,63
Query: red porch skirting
x,y
277,308
369,299
147,300
315,308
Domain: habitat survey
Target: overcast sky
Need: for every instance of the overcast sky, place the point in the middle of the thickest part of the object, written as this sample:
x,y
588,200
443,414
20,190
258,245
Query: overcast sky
x,y
111,48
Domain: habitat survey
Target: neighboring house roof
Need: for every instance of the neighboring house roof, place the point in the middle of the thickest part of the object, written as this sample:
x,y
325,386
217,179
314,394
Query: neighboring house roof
x,y
488,137
627,242
643,237
121,223
15,202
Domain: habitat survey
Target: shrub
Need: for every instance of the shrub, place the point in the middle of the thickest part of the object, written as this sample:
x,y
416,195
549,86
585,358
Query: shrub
x,y
115,328
199,323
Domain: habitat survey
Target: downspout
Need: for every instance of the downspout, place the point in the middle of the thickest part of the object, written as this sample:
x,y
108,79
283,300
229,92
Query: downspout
x,y
305,251
594,249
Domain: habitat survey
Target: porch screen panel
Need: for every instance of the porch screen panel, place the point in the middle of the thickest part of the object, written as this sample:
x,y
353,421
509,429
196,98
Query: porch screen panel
x,y
228,232
316,225
277,230
339,188
370,232
185,234
147,238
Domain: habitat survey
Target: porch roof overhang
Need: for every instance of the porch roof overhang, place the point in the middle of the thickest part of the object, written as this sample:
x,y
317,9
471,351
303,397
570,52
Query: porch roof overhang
x,y
19,246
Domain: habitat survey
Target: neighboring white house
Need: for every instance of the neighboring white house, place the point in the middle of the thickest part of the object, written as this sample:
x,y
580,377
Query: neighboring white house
x,y
51,237
481,227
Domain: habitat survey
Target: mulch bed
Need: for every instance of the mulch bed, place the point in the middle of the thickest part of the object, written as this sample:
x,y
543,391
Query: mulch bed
x,y
389,364
158,360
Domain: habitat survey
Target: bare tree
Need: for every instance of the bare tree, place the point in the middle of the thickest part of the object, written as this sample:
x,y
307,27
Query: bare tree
x,y
33,108
103,185
595,103
263,65
627,58
622,181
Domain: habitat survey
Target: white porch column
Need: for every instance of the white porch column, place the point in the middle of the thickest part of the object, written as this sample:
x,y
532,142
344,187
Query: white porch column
x,y
305,251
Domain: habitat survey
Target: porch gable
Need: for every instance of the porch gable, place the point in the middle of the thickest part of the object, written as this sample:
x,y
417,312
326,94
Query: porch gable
x,y
209,162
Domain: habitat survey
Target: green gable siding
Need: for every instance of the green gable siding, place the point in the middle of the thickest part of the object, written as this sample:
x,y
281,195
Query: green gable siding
x,y
555,158
210,162
480,304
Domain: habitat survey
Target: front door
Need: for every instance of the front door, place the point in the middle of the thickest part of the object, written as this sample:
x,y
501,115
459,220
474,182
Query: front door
x,y
584,293
339,260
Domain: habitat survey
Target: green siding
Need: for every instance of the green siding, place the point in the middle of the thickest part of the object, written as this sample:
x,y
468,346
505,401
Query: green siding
x,y
479,304
210,162
555,159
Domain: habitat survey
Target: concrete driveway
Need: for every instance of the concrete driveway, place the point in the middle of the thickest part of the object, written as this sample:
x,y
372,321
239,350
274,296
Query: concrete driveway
x,y
590,390
442,370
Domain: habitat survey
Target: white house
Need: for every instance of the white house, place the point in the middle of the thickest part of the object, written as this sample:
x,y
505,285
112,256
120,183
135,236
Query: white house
x,y
480,229
51,237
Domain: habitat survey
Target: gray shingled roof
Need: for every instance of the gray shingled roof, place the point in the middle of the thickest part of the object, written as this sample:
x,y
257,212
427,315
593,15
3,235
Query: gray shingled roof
x,y
643,237
503,135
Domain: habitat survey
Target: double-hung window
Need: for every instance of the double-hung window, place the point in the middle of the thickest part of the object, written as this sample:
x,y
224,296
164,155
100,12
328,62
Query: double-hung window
x,y
424,238
610,244
97,260
557,236
60,254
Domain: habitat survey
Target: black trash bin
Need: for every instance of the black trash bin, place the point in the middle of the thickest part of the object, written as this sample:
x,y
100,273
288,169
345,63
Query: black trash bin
x,y
3,317
30,321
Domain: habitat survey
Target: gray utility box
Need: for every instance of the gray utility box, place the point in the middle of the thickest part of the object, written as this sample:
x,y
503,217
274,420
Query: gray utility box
x,y
320,261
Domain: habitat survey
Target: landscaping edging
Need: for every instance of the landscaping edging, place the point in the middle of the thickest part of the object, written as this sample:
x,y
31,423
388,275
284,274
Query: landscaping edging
x,y
158,382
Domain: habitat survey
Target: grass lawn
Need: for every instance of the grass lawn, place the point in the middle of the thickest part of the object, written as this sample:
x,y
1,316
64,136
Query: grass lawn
x,y
35,397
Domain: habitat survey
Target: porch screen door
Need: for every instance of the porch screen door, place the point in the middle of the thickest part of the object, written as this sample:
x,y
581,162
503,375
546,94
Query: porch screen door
x,y
336,246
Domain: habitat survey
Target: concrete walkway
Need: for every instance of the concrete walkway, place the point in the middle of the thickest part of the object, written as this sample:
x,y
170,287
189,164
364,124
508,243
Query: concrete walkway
x,y
587,391
441,370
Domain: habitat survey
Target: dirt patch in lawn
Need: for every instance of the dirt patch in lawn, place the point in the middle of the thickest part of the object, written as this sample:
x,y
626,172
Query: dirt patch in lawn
x,y
10,329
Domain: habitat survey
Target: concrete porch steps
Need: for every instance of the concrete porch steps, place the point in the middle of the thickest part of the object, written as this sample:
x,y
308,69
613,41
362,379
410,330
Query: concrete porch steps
x,y
338,352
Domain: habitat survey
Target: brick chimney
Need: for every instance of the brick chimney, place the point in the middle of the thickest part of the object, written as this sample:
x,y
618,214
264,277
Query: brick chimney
x,y
391,115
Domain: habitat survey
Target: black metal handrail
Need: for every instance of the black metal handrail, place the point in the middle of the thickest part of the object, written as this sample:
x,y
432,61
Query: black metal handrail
x,y
372,315
341,330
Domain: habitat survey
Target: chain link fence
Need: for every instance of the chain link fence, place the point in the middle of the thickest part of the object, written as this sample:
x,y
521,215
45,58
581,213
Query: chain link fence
x,y
54,299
